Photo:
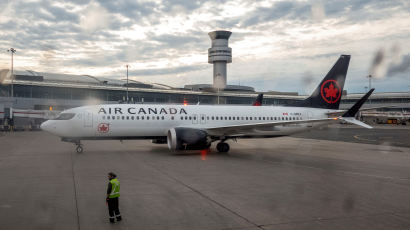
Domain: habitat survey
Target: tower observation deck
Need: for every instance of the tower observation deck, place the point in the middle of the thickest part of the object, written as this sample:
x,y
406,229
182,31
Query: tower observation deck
x,y
218,55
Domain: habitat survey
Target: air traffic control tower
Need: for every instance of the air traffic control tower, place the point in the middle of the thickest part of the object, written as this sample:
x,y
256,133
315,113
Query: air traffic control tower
x,y
218,55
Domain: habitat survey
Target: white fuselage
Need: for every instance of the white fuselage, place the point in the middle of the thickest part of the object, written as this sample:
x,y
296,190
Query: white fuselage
x,y
154,120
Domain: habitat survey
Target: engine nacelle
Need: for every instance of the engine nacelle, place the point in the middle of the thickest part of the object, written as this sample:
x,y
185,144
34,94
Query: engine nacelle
x,y
187,139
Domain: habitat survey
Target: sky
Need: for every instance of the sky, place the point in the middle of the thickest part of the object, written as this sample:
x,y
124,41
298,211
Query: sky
x,y
276,45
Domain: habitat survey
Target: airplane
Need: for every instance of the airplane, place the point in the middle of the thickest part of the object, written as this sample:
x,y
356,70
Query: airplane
x,y
195,127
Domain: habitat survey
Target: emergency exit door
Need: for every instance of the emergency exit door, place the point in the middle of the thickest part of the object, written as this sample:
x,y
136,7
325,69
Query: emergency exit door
x,y
88,119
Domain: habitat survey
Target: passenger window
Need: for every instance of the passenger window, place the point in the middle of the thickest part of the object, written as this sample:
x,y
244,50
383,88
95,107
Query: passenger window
x,y
212,118
172,118
263,118
162,117
246,118
194,118
113,117
182,118
186,117
132,117
190,118
108,117
233,118
138,117
216,118
103,117
157,117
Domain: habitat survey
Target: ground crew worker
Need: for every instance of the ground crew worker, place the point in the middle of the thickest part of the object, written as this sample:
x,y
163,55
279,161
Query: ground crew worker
x,y
113,193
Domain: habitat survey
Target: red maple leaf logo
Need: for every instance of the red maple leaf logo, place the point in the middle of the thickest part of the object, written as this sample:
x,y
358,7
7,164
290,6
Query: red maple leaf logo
x,y
330,91
103,127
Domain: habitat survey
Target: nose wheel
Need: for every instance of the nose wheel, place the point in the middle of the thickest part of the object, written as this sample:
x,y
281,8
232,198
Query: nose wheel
x,y
79,148
222,147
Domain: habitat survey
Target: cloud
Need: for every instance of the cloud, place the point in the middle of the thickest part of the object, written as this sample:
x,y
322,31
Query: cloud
x,y
277,45
94,18
402,67
163,71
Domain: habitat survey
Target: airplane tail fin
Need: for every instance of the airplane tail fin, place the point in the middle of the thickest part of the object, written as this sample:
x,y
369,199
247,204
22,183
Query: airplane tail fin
x,y
329,92
258,101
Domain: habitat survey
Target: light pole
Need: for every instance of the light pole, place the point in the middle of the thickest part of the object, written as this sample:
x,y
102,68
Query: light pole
x,y
12,51
370,81
127,80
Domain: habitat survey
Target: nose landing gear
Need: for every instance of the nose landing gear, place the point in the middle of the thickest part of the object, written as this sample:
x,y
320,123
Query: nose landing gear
x,y
79,148
77,142
222,147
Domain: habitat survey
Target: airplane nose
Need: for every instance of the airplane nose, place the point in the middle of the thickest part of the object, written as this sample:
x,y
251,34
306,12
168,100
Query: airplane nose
x,y
45,126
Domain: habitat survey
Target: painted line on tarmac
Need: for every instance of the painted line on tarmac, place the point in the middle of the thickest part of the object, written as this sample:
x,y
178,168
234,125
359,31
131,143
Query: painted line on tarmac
x,y
75,191
163,172
362,139
340,171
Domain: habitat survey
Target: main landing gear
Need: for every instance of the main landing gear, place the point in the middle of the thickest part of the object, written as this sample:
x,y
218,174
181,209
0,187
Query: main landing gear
x,y
222,147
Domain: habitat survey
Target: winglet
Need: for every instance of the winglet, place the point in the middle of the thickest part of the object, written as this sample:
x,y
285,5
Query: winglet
x,y
355,108
349,115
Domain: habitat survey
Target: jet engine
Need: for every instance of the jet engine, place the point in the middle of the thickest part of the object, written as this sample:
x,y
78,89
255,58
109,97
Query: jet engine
x,y
187,139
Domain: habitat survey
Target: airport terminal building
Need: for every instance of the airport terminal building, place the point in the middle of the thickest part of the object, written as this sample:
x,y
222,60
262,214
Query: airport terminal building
x,y
38,96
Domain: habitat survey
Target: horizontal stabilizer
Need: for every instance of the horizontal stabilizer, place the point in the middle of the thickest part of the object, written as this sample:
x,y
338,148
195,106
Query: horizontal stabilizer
x,y
352,120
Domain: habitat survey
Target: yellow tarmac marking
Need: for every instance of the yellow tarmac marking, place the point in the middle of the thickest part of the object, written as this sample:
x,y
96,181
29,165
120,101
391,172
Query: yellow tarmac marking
x,y
361,138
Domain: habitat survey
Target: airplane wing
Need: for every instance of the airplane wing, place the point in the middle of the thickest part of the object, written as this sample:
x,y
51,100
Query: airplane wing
x,y
233,130
341,112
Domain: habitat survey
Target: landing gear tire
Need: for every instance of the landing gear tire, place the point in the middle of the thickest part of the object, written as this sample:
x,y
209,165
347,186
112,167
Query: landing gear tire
x,y
222,147
79,149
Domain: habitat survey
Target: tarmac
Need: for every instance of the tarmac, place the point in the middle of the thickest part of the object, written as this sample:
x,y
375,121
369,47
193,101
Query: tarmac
x,y
303,182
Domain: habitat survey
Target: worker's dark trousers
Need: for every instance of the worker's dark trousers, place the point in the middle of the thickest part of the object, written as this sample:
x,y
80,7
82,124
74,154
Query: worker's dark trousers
x,y
113,209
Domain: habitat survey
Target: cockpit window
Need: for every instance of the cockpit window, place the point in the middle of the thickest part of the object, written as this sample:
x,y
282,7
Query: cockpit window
x,y
65,116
